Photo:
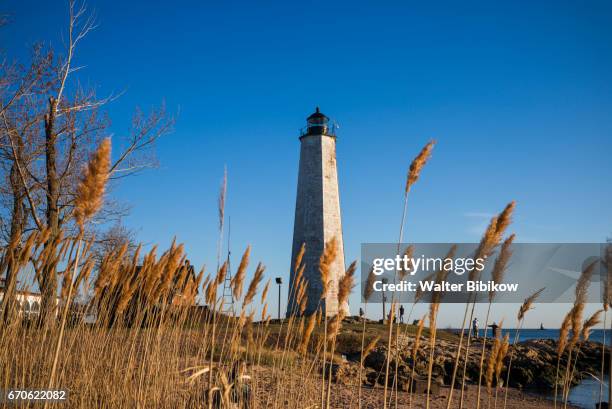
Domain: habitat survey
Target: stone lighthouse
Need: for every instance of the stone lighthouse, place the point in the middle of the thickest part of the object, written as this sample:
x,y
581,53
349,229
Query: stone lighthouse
x,y
317,213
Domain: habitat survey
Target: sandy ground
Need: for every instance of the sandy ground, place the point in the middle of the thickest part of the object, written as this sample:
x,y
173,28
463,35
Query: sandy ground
x,y
516,399
306,393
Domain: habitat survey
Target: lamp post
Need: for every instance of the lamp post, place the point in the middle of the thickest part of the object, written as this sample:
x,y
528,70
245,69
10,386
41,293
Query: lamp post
x,y
279,281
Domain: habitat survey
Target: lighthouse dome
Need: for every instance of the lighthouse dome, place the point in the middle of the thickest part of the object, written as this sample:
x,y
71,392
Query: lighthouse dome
x,y
317,116
317,124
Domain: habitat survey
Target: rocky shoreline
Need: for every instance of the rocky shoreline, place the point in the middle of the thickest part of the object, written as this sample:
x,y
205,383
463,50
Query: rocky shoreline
x,y
534,363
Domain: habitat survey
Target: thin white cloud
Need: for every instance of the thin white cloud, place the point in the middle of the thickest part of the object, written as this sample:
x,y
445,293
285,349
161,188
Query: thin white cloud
x,y
479,222
478,215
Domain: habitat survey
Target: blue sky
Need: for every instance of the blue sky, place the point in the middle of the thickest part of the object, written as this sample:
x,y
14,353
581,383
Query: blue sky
x,y
518,96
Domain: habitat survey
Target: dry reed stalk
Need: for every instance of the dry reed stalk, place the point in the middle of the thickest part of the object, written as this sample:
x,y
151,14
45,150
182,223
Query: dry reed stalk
x,y
370,347
221,215
264,294
236,331
345,286
299,257
417,166
237,280
414,171
299,289
304,300
89,198
417,338
581,293
402,272
488,242
503,351
499,268
297,279
415,350
221,200
312,320
388,360
593,320
523,309
364,353
492,363
90,191
434,307
501,355
367,291
561,346
14,259
252,289
325,262
497,275
564,332
585,333
212,296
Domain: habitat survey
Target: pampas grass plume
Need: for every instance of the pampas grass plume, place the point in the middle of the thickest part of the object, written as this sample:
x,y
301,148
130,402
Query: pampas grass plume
x,y
346,284
312,320
590,323
418,164
238,279
501,355
370,347
563,332
327,258
403,272
499,268
264,293
299,257
252,290
90,191
582,288
417,337
526,306
492,362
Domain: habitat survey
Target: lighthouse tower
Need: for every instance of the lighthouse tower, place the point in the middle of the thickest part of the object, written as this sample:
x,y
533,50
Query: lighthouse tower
x,y
317,214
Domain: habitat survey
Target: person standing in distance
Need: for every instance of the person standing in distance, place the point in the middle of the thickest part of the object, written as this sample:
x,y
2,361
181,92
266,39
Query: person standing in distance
x,y
475,327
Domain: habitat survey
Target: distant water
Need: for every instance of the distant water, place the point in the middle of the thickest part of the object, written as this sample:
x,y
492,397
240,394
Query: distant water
x,y
586,395
597,335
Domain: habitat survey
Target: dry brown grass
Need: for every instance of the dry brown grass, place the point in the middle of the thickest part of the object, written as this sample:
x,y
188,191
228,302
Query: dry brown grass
x,y
418,164
523,309
489,241
90,191
150,347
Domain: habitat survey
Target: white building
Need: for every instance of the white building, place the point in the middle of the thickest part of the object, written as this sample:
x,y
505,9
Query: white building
x,y
28,303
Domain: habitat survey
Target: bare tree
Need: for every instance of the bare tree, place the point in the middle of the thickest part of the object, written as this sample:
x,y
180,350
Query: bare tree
x,y
49,125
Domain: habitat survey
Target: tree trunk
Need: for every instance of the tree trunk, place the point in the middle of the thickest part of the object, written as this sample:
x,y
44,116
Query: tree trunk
x,y
49,275
17,227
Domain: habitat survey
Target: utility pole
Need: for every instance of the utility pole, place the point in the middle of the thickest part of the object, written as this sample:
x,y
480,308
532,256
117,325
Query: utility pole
x,y
279,281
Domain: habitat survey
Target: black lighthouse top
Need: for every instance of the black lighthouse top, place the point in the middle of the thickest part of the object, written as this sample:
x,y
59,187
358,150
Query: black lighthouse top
x,y
317,124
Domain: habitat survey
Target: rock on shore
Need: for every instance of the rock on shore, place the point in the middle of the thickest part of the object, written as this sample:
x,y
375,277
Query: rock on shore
x,y
534,363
